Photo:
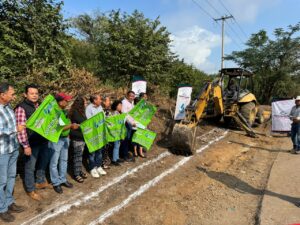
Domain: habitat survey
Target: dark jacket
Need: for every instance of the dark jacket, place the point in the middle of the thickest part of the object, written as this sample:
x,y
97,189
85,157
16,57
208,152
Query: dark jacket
x,y
33,137
78,118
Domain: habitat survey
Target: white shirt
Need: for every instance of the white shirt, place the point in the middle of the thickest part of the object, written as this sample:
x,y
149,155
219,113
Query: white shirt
x,y
91,110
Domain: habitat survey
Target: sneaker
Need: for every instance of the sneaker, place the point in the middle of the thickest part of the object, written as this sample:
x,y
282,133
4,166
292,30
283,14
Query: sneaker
x,y
101,171
13,208
35,196
297,151
7,217
94,173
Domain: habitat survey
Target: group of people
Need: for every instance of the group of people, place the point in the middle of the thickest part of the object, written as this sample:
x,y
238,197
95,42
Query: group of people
x,y
41,154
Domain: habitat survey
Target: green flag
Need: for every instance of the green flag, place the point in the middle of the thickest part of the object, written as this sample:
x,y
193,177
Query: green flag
x,y
143,112
66,121
93,131
144,137
45,120
115,128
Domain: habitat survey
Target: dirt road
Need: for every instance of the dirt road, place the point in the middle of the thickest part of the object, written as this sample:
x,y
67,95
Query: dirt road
x,y
222,184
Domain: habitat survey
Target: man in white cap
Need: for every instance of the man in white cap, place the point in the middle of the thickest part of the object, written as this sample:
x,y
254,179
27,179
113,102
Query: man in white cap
x,y
295,131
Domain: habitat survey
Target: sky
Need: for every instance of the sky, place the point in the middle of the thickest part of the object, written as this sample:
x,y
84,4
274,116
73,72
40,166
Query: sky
x,y
196,37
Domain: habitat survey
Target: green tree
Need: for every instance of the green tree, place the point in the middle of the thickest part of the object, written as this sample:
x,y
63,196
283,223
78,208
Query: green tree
x,y
32,38
127,45
181,73
275,62
84,55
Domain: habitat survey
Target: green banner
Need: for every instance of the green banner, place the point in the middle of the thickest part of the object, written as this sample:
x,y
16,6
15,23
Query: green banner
x,y
94,133
115,128
45,120
144,137
66,121
143,112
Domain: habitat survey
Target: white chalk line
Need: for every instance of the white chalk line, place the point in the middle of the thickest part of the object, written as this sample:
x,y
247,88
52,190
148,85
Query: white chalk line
x,y
209,132
63,207
52,208
149,184
41,218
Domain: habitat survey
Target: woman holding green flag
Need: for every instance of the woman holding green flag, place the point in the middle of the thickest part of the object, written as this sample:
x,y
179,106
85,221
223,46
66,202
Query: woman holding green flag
x,y
116,110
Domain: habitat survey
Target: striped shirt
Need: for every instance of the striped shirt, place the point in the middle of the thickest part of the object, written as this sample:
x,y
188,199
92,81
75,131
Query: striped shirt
x,y
8,130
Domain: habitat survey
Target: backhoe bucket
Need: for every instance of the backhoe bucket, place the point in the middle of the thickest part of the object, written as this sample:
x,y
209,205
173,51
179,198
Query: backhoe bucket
x,y
183,138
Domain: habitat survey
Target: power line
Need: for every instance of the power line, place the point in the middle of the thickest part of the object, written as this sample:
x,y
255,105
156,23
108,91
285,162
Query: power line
x,y
207,13
238,25
225,7
236,34
214,8
231,28
223,18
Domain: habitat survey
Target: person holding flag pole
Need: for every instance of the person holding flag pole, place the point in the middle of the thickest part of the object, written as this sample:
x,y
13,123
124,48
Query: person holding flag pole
x,y
127,105
35,146
95,158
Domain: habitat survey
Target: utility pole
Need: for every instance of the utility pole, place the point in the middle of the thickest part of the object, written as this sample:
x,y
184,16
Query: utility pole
x,y
223,18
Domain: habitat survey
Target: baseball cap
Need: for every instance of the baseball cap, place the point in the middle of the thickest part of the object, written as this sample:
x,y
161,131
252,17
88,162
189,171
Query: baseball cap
x,y
63,96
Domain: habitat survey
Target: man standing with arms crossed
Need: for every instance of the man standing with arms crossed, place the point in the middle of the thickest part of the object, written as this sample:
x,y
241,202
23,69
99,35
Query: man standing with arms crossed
x,y
9,151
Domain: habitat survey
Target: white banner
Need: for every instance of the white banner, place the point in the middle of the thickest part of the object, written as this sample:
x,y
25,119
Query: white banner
x,y
280,115
139,86
183,99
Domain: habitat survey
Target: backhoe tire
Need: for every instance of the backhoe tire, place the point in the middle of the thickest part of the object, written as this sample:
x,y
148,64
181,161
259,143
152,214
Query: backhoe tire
x,y
248,112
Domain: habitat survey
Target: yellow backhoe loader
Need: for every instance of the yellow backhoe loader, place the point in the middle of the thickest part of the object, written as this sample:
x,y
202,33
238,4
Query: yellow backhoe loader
x,y
228,97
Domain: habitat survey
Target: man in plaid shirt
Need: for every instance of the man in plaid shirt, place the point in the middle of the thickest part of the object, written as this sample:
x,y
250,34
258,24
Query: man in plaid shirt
x,y
9,151
34,145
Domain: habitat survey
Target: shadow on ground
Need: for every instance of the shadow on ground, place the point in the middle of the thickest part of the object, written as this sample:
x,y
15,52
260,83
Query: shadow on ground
x,y
241,186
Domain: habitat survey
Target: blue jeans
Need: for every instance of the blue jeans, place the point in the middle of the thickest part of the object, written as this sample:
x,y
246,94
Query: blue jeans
x,y
59,161
95,159
8,168
38,160
116,151
295,136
